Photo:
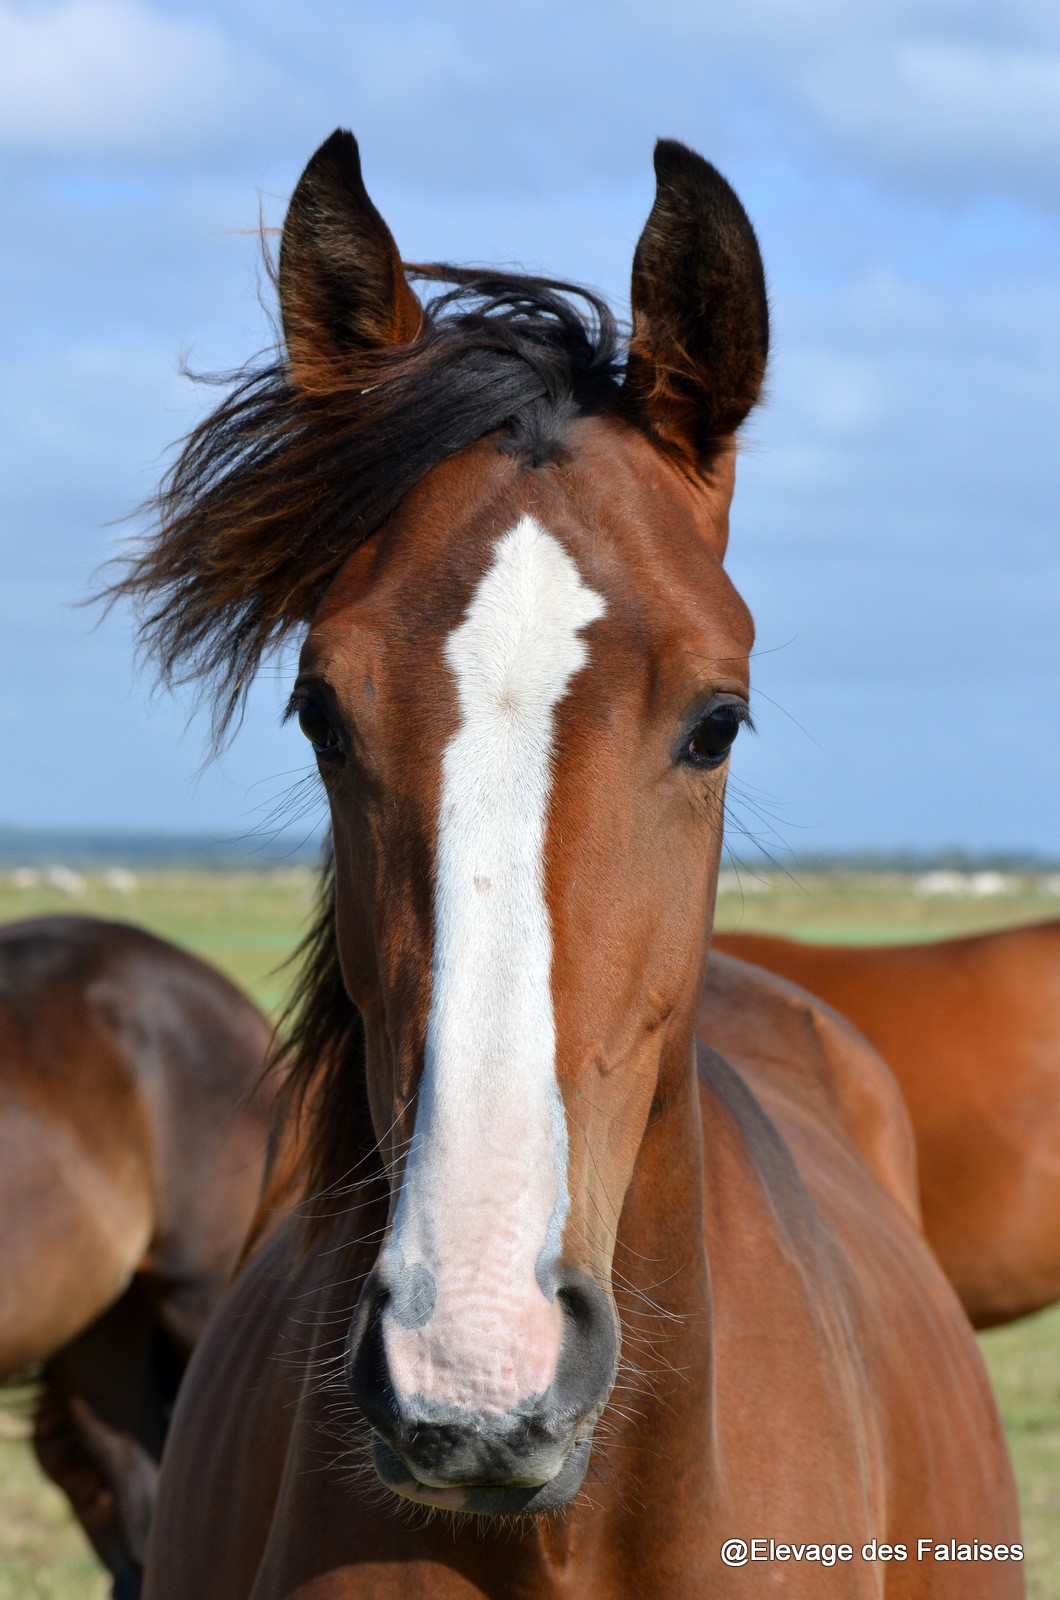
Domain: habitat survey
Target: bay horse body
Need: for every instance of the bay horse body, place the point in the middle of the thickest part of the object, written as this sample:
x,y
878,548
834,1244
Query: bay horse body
x,y
562,1271
971,1029
132,1145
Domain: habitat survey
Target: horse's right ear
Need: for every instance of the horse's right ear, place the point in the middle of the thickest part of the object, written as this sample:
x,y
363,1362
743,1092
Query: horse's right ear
x,y
697,356
343,294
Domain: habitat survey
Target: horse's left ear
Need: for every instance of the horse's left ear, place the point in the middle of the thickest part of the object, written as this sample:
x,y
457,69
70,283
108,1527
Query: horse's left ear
x,y
343,293
700,339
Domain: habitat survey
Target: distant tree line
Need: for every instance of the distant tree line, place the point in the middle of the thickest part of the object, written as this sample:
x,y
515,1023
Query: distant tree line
x,y
89,850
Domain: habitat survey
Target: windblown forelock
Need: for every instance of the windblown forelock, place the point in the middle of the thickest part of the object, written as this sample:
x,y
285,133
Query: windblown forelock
x,y
273,492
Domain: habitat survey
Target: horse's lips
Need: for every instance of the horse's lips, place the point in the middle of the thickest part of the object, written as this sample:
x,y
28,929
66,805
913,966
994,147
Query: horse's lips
x,y
484,1499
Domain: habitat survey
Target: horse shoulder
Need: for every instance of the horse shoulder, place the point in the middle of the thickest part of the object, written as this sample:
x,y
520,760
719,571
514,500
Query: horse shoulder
x,y
820,1273
811,1069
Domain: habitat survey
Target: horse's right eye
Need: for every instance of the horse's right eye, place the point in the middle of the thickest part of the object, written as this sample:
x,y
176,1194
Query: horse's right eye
x,y
318,729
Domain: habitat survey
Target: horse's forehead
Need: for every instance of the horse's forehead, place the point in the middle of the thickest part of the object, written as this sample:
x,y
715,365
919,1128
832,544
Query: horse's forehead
x,y
632,535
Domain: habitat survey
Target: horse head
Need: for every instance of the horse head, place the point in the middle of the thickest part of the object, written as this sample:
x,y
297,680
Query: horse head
x,y
521,694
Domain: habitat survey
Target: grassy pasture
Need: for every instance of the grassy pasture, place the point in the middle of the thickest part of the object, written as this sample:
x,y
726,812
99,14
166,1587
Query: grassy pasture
x,y
248,922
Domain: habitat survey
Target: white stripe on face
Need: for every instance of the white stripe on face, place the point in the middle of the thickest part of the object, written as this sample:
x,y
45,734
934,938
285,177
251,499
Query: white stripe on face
x,y
484,1197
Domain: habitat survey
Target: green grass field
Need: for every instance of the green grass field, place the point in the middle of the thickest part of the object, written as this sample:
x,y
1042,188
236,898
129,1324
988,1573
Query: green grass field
x,y
248,922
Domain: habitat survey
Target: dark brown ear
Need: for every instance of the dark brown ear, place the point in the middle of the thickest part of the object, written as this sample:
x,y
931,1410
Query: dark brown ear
x,y
343,294
700,318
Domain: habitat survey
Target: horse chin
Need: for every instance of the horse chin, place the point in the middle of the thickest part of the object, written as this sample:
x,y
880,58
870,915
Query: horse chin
x,y
485,1500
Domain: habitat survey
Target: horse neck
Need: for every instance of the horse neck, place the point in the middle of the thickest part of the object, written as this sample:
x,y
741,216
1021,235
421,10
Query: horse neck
x,y
656,1431
660,1414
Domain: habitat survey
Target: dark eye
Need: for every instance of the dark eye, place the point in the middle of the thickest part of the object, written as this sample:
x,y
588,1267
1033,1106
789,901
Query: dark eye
x,y
317,727
712,737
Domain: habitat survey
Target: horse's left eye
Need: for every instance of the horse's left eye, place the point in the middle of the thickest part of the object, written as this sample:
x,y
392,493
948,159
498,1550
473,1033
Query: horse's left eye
x,y
712,738
318,729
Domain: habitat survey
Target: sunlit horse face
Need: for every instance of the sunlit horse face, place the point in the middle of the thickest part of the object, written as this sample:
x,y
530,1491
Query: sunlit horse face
x,y
522,694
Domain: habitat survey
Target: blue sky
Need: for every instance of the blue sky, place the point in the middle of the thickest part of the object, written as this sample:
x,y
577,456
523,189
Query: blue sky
x,y
894,529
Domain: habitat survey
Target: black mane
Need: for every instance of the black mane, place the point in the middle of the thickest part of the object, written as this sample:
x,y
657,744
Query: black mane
x,y
276,488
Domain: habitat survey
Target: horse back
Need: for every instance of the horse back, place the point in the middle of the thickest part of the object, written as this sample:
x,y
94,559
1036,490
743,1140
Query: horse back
x,y
126,1070
74,1149
971,1030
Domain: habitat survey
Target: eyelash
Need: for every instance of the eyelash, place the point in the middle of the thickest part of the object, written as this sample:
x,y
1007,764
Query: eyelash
x,y
303,705
726,715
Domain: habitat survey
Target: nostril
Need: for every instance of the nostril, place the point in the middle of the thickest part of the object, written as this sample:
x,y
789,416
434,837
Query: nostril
x,y
590,1345
587,1312
367,1371
580,1311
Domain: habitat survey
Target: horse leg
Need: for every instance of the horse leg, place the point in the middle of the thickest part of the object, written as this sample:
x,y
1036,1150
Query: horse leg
x,y
108,1479
100,1426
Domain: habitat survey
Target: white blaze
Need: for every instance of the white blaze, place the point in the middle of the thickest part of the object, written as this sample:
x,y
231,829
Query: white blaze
x,y
484,1196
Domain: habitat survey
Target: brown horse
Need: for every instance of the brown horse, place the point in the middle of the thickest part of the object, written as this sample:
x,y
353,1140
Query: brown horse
x,y
608,1298
971,1029
131,1151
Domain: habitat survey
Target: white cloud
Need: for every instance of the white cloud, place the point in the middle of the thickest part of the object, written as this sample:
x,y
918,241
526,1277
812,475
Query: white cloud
x,y
834,394
983,116
114,78
952,98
